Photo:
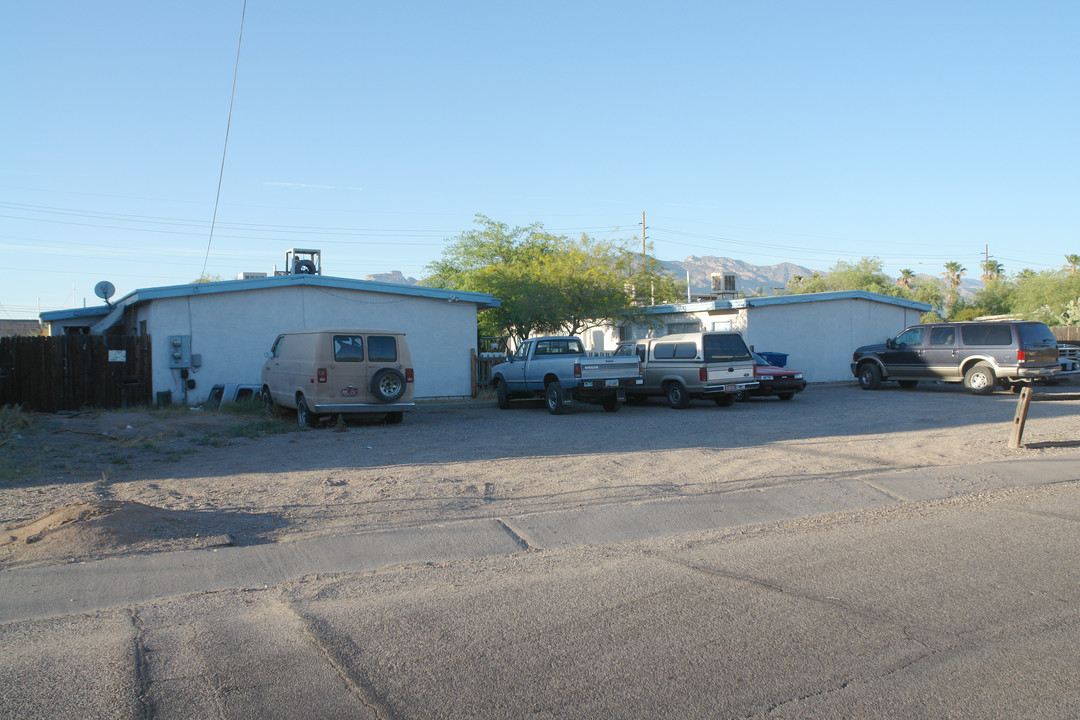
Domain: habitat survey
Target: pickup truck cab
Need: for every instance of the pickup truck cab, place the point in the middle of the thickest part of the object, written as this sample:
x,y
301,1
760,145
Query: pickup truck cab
x,y
559,370
709,365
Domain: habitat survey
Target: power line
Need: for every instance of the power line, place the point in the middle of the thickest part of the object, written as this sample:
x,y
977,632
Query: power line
x,y
228,125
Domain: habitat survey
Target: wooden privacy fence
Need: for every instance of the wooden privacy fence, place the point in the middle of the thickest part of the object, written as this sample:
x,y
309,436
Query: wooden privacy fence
x,y
69,372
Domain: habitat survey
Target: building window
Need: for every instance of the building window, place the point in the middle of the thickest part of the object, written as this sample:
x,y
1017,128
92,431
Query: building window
x,y
683,327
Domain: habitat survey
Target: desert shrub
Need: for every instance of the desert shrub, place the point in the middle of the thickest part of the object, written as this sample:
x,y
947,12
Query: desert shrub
x,y
14,420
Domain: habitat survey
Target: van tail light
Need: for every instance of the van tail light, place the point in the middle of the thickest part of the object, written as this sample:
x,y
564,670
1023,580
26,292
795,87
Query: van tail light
x,y
577,370
703,374
1021,356
408,375
322,375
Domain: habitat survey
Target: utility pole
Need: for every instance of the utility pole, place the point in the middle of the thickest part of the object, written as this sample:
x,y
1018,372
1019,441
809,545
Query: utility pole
x,y
642,235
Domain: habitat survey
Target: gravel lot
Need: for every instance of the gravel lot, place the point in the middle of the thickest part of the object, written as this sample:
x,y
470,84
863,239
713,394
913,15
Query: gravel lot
x,y
98,484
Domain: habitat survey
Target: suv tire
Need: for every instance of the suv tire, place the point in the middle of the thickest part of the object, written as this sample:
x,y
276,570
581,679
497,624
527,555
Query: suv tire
x,y
980,379
869,376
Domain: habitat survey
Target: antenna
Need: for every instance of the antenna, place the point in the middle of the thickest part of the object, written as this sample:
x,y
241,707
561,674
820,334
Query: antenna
x,y
105,290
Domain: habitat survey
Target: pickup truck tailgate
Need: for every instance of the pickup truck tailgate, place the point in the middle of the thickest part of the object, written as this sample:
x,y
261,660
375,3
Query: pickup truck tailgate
x,y
721,374
604,368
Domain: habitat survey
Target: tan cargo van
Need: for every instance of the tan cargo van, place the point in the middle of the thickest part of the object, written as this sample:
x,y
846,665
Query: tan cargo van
x,y
330,372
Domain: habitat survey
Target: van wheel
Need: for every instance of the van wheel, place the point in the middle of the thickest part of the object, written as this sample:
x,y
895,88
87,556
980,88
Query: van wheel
x,y
304,416
269,406
869,376
388,385
393,418
676,396
553,396
980,379
501,395
610,403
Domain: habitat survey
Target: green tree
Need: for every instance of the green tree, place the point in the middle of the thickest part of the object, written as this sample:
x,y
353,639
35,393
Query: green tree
x,y
906,280
992,270
1073,261
865,274
547,283
206,278
954,271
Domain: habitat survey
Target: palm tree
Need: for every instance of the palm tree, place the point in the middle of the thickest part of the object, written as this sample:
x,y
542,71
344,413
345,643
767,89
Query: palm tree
x,y
953,272
906,279
1074,261
992,270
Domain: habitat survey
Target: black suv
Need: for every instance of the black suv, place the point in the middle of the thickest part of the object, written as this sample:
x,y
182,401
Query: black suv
x,y
979,354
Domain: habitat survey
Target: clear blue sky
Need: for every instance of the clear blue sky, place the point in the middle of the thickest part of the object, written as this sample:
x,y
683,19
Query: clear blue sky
x,y
918,132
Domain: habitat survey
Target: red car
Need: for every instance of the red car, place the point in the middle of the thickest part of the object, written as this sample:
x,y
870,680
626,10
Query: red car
x,y
773,380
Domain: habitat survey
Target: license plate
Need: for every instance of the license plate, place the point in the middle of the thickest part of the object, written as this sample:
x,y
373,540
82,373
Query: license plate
x,y
611,383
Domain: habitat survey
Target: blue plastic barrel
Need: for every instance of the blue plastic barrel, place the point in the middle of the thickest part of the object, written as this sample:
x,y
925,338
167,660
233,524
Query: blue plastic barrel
x,y
773,358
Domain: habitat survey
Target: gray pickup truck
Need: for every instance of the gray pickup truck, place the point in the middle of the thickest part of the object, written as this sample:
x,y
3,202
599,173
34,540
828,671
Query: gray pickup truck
x,y
709,365
559,370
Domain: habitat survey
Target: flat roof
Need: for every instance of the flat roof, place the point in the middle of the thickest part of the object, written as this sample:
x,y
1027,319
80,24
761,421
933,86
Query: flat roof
x,y
264,283
740,303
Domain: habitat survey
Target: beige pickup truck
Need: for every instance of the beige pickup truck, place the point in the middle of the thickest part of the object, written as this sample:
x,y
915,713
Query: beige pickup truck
x,y
708,365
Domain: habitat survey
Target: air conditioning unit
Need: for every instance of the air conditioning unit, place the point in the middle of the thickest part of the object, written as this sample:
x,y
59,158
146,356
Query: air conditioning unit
x,y
250,275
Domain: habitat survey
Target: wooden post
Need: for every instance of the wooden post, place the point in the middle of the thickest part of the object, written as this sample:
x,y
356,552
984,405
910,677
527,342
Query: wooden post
x,y
472,372
1020,418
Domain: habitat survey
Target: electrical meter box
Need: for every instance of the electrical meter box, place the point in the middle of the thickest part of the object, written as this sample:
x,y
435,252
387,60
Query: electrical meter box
x,y
179,350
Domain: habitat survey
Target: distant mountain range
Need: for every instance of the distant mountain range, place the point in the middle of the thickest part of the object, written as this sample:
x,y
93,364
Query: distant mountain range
x,y
750,279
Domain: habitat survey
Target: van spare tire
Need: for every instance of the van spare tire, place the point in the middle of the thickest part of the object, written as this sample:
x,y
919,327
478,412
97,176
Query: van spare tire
x,y
388,385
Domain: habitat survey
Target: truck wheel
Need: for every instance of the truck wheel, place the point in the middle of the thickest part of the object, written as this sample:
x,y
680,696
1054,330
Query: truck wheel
x,y
304,416
786,395
907,384
501,395
388,385
393,418
869,376
725,400
611,403
676,396
980,379
554,398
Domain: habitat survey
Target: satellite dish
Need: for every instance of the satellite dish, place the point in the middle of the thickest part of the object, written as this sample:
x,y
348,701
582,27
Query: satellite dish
x,y
105,290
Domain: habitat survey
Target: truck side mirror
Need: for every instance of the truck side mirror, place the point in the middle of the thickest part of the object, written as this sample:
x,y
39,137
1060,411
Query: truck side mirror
x,y
890,343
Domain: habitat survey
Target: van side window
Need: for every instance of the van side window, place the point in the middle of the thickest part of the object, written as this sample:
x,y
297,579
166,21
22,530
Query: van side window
x,y
987,334
276,349
382,348
348,348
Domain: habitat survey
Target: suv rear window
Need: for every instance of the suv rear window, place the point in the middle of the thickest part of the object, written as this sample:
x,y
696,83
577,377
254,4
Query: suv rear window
x,y
382,348
987,334
722,348
1035,335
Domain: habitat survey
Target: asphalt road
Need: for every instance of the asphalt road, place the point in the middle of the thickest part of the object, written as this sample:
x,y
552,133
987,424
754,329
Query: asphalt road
x,y
901,595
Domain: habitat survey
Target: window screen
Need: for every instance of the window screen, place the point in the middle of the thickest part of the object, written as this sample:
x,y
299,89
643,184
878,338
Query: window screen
x,y
382,348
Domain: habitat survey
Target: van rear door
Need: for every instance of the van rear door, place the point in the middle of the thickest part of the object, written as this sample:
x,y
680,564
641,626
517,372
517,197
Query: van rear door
x,y
349,376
